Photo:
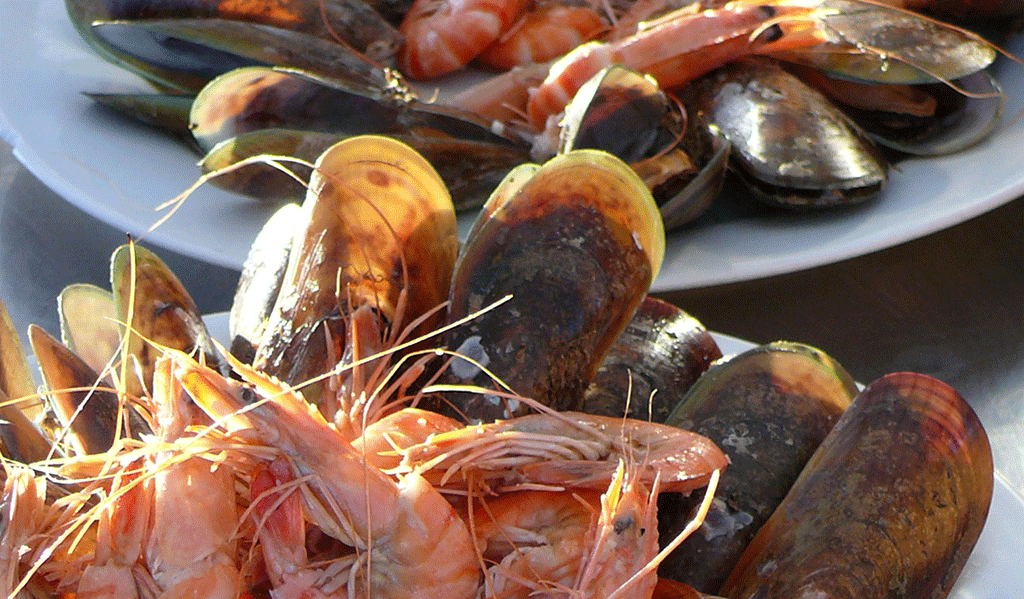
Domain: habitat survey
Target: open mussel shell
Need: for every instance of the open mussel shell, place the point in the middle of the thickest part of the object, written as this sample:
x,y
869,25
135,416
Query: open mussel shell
x,y
790,145
891,504
575,244
251,99
471,169
206,48
682,199
89,325
620,111
20,438
939,118
353,22
871,41
768,408
154,310
253,111
652,364
377,228
626,113
85,403
260,281
83,13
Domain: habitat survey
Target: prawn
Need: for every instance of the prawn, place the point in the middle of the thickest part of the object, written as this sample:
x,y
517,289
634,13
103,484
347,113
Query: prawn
x,y
192,543
582,544
407,540
688,42
543,34
562,450
442,36
168,525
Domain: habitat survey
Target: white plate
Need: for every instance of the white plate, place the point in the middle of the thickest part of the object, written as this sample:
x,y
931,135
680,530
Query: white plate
x,y
120,173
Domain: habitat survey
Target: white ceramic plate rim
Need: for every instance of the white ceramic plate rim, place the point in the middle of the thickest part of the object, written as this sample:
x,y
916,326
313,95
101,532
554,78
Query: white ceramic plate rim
x,y
121,173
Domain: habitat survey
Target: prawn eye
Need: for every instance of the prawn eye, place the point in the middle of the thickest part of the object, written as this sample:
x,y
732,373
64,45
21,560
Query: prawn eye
x,y
248,395
624,523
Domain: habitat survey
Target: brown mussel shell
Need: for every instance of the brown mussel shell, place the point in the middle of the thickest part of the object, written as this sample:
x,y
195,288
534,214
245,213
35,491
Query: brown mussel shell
x,y
155,311
85,404
937,119
573,246
260,281
377,228
626,113
790,145
20,438
351,22
890,505
652,364
768,408
251,111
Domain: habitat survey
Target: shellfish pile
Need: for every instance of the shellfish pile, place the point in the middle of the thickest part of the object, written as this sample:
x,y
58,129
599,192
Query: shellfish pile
x,y
400,416
808,102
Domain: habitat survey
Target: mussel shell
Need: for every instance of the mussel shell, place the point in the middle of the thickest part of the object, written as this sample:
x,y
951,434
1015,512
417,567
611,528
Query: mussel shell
x,y
626,113
378,228
20,439
251,99
165,112
890,505
352,21
206,48
959,121
470,169
870,41
682,205
620,111
260,281
83,13
89,325
768,408
83,402
155,310
652,364
790,145
576,245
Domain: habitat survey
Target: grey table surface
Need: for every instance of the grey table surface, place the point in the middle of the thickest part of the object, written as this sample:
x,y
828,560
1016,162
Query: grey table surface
x,y
950,304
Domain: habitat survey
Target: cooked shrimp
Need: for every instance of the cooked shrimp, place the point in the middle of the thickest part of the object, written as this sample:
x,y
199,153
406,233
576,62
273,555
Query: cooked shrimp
x,y
442,36
168,525
581,544
21,520
382,441
563,449
120,540
408,541
687,43
675,49
37,522
543,34
536,539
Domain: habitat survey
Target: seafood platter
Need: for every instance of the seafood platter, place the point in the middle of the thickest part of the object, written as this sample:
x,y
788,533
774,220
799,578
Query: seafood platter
x,y
477,123
395,413
406,406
